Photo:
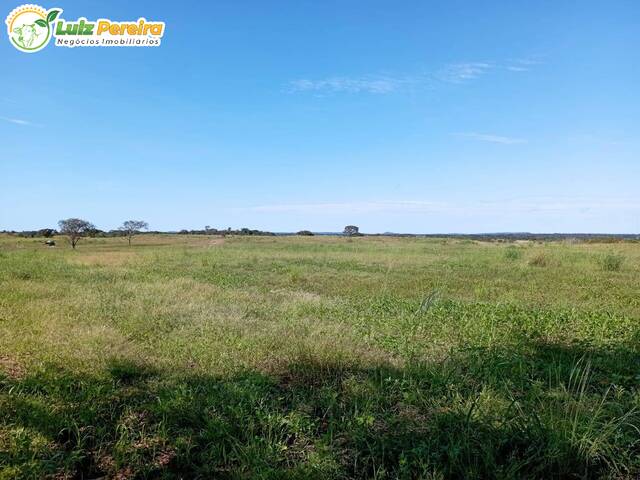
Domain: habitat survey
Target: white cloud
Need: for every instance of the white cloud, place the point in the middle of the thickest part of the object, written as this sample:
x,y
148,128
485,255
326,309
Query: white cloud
x,y
384,84
463,72
487,137
367,84
17,121
455,73
522,64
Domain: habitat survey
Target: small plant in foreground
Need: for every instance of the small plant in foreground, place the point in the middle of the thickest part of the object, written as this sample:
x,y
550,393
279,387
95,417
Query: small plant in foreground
x,y
512,253
612,262
539,260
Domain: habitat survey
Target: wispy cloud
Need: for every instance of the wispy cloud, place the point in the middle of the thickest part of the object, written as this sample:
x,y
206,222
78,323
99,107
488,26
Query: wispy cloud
x,y
516,68
17,121
368,84
522,64
452,73
487,137
463,72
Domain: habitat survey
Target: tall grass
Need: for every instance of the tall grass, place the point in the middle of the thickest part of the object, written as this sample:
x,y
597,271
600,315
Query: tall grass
x,y
612,262
513,253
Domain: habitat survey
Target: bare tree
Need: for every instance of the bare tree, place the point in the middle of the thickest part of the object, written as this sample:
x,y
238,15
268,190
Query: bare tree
x,y
75,229
351,230
131,227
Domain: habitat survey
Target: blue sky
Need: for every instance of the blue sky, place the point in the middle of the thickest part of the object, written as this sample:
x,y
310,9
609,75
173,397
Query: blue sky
x,y
408,116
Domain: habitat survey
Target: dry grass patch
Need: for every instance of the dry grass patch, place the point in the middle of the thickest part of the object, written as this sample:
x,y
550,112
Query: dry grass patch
x,y
11,367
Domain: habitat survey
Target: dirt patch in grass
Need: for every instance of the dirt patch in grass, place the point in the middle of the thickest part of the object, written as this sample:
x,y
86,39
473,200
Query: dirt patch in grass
x,y
11,367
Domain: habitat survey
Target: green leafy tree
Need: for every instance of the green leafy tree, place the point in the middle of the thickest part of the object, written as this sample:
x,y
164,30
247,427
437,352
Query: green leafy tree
x,y
351,230
131,227
46,232
75,229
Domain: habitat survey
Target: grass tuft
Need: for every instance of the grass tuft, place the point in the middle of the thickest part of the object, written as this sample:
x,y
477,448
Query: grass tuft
x,y
512,253
612,262
539,260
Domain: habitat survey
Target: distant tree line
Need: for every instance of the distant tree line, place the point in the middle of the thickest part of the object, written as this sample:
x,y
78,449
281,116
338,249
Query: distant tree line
x,y
76,228
94,232
51,232
229,231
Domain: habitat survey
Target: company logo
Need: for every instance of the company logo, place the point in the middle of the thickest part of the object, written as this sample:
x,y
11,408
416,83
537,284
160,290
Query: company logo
x,y
30,27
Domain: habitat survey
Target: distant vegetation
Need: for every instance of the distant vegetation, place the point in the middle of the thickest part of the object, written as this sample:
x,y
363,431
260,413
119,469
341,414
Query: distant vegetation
x,y
129,229
351,231
75,229
486,237
228,231
133,227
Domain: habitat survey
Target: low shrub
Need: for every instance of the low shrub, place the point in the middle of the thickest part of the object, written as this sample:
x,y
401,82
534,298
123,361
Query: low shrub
x,y
612,262
539,260
512,253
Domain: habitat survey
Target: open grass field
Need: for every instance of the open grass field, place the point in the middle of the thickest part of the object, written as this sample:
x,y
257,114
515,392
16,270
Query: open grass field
x,y
320,357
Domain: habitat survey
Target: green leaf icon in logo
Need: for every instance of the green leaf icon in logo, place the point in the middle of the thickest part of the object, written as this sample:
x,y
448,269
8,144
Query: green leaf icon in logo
x,y
51,16
41,23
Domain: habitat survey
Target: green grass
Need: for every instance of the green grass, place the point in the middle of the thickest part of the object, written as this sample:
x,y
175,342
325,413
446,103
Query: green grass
x,y
612,262
318,357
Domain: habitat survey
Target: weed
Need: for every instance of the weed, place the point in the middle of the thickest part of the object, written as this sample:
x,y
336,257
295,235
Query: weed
x,y
539,260
512,253
611,262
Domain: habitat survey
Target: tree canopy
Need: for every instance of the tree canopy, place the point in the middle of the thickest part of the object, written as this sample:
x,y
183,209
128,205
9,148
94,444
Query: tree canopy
x,y
131,227
75,229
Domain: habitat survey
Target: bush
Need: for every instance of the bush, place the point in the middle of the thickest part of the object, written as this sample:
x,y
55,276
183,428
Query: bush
x,y
46,232
305,233
512,253
539,260
612,262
